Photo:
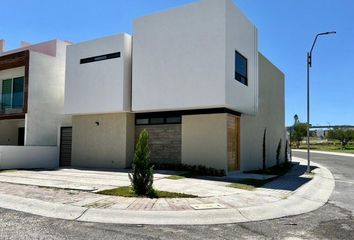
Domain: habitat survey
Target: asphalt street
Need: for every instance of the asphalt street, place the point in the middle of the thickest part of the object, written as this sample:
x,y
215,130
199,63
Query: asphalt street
x,y
335,220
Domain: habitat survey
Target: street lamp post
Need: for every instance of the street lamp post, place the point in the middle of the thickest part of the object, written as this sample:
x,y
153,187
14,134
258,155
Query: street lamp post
x,y
309,65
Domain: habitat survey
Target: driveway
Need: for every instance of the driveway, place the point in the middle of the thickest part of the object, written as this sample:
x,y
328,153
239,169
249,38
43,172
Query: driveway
x,y
72,179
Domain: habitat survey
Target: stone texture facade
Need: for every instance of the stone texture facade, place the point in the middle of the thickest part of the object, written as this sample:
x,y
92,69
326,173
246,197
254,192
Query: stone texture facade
x,y
165,142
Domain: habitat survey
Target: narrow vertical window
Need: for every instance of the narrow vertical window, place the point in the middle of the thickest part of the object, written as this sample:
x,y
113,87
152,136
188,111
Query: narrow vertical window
x,y
17,98
6,94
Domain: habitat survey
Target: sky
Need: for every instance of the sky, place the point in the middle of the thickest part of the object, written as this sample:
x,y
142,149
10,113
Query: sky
x,y
286,30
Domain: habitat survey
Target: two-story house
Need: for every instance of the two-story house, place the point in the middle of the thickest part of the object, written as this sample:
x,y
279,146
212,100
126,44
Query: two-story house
x,y
31,103
192,76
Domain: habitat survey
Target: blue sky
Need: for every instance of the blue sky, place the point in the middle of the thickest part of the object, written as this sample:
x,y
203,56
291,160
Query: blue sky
x,y
286,30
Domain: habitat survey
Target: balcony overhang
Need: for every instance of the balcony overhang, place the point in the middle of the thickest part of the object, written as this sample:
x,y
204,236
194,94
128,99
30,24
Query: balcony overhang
x,y
14,60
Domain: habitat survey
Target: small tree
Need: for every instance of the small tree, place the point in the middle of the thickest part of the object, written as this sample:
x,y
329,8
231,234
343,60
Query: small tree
x,y
299,132
264,149
142,176
286,151
278,153
344,136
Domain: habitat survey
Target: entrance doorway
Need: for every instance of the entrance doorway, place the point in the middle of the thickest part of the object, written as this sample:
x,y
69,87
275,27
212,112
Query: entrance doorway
x,y
21,136
233,142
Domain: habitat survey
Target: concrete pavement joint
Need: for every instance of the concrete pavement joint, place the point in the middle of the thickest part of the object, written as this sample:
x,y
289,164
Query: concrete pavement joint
x,y
81,214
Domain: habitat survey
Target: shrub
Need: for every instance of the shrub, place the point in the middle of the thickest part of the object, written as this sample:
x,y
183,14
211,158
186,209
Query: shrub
x,y
142,175
278,152
193,169
344,136
264,149
286,152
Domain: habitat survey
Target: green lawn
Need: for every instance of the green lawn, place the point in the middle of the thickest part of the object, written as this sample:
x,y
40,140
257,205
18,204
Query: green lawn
x,y
128,192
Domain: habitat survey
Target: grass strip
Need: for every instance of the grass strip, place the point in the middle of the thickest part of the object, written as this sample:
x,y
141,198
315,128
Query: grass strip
x,y
129,192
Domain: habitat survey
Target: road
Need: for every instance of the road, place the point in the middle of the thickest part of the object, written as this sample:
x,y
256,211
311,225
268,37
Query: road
x,y
335,220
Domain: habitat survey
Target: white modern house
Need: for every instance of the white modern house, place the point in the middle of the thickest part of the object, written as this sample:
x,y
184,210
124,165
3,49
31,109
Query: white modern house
x,y
31,104
192,76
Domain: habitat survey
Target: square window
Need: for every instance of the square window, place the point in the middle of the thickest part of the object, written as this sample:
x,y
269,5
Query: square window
x,y
241,68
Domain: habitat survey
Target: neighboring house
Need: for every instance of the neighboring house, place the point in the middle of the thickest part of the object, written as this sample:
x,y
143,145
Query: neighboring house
x,y
31,103
192,76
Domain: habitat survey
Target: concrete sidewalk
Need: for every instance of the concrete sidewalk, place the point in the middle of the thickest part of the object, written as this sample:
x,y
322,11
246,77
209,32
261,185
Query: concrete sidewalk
x,y
292,194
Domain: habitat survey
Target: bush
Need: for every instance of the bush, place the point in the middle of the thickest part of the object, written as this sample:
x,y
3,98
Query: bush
x,y
286,152
264,149
278,152
344,136
142,176
192,169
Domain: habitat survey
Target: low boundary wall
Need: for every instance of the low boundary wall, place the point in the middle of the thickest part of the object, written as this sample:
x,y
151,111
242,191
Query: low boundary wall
x,y
29,157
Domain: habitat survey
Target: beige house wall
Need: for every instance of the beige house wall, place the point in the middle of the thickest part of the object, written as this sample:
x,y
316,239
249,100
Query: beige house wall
x,y
108,144
204,140
270,115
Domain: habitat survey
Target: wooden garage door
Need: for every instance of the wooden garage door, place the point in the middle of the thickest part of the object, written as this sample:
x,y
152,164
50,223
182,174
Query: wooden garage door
x,y
65,146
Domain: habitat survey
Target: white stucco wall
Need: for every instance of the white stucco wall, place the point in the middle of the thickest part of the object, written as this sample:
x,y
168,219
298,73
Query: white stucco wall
x,y
102,86
28,157
184,58
241,35
9,131
271,115
46,97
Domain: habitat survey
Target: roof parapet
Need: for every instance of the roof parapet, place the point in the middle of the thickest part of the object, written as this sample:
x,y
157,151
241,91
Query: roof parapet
x,y
25,44
2,46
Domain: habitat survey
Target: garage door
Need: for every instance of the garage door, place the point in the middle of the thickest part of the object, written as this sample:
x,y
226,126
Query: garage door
x,y
65,146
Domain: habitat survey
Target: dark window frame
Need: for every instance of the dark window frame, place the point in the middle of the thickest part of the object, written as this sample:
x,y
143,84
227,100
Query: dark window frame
x,y
239,76
12,105
100,58
164,122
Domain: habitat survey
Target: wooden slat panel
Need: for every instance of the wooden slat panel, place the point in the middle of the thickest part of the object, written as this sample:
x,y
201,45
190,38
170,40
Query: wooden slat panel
x,y
233,142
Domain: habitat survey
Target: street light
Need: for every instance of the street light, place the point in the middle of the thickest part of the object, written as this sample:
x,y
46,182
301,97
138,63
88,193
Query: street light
x,y
309,65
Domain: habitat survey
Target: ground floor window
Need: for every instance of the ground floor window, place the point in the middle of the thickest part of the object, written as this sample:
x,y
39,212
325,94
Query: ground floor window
x,y
146,119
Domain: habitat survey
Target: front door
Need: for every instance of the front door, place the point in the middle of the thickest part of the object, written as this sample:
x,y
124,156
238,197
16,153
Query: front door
x,y
21,136
233,142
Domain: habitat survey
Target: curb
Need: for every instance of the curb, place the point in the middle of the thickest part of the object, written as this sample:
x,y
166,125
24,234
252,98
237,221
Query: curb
x,y
325,152
41,208
307,198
